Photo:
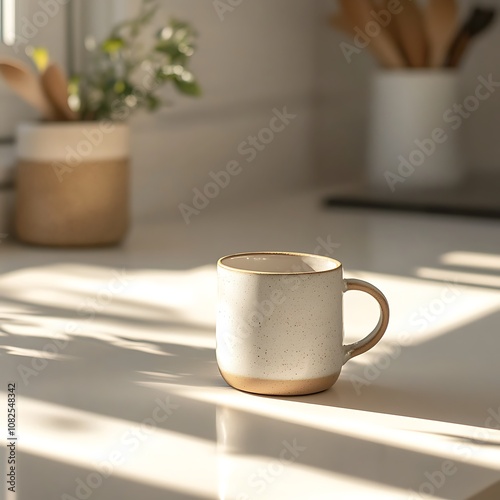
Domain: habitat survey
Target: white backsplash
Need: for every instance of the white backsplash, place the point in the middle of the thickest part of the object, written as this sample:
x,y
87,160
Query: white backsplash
x,y
265,55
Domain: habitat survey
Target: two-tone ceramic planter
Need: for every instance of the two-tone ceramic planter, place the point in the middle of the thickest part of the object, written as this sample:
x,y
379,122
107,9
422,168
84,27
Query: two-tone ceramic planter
x,y
72,184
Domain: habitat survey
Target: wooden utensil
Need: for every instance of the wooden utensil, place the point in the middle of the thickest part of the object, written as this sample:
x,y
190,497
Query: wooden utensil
x,y
476,23
25,84
409,26
441,23
391,27
338,21
358,14
55,85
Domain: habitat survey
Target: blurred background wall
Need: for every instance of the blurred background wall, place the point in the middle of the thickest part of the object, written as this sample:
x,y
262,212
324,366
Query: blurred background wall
x,y
260,56
265,54
256,56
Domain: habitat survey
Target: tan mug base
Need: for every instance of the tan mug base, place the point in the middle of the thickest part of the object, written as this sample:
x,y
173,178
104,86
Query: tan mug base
x,y
61,205
279,387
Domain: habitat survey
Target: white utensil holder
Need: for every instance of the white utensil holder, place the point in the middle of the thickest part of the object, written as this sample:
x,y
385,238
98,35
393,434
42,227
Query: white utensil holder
x,y
415,131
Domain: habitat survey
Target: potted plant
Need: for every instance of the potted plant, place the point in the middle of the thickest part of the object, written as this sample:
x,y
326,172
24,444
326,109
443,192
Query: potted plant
x,y
73,172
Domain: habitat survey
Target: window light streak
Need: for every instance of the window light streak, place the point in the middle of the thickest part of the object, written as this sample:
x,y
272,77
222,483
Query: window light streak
x,y
165,459
127,336
376,428
412,300
176,307
474,279
33,353
235,473
183,296
472,259
158,457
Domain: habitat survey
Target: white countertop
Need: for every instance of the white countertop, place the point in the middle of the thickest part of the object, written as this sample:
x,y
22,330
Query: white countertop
x,y
119,396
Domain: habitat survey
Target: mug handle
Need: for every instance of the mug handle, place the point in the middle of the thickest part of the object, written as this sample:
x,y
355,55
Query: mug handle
x,y
371,340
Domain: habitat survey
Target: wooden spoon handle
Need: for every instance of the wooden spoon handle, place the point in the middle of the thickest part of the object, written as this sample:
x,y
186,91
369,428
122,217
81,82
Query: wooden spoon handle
x,y
26,85
409,25
441,22
55,86
359,14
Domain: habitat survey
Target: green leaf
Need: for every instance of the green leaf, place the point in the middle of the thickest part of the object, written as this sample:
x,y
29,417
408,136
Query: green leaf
x,y
74,84
119,87
191,88
112,45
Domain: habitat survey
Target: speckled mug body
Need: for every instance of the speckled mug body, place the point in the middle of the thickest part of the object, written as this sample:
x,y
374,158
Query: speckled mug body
x,y
280,334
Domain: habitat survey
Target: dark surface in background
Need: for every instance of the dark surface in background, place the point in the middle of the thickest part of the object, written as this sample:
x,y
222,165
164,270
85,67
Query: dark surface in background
x,y
410,206
475,198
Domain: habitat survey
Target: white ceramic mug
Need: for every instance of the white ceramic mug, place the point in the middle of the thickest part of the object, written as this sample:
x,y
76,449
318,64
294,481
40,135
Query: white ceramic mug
x,y
279,322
